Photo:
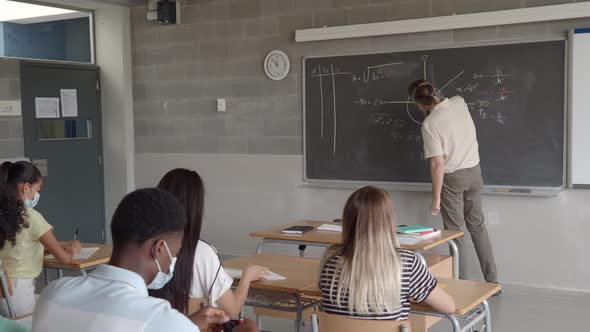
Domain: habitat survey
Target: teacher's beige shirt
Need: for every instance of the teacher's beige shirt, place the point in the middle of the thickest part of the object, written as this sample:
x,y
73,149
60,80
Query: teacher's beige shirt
x,y
449,131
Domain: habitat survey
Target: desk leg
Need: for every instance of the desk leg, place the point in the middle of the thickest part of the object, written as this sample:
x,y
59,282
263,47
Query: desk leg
x,y
454,322
259,322
299,320
60,273
488,317
455,254
46,276
302,248
83,272
5,291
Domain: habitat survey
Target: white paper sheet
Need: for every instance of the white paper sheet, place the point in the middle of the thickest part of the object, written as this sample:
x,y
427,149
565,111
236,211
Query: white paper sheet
x,y
407,240
46,108
85,253
237,274
10,108
69,102
330,228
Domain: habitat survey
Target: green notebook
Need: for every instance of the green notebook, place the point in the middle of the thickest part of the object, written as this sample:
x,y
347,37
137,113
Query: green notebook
x,y
413,229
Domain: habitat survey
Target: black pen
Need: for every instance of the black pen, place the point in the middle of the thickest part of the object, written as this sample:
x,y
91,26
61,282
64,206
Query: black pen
x,y
76,234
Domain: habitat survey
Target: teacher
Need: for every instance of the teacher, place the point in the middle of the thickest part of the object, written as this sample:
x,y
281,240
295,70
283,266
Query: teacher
x,y
450,142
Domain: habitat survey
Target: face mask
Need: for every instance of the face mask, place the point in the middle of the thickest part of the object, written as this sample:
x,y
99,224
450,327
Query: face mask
x,y
162,278
29,204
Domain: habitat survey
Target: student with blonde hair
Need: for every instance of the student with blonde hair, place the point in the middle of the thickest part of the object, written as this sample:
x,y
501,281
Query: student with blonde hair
x,y
368,276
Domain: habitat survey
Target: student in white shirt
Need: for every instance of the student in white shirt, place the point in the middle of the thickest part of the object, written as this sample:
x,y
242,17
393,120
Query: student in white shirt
x,y
147,230
199,270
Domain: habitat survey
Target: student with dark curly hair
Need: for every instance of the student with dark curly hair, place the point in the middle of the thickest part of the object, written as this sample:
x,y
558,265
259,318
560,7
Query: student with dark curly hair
x,y
13,217
12,220
28,235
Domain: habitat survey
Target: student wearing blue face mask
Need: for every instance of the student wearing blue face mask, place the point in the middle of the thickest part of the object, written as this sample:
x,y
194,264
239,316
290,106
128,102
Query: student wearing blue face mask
x,y
12,219
23,259
147,230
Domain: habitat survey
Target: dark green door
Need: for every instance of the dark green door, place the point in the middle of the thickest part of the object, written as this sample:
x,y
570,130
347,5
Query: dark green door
x,y
67,147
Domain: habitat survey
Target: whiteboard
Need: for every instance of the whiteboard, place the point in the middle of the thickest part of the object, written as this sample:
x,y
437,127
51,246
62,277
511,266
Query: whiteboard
x,y
580,109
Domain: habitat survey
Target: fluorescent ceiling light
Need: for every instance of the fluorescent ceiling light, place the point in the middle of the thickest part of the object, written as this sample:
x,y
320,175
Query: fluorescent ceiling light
x,y
20,12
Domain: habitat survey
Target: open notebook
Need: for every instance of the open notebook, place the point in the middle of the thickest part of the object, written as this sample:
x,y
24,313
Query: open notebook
x,y
338,228
85,253
237,274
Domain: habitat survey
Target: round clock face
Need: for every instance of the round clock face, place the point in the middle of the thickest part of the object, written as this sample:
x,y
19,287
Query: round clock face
x,y
276,65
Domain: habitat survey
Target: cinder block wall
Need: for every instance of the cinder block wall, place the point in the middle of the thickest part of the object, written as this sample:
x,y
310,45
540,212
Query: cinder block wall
x,y
219,49
250,156
11,127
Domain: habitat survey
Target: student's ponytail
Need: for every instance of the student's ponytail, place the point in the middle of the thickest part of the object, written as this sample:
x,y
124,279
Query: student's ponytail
x,y
13,174
13,215
423,92
4,169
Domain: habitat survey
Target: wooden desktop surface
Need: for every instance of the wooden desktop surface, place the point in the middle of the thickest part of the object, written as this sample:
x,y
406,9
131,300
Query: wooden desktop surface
x,y
301,273
467,294
103,255
326,237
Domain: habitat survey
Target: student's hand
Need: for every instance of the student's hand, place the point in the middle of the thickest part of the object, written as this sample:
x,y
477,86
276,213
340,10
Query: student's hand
x,y
75,245
435,207
255,273
208,318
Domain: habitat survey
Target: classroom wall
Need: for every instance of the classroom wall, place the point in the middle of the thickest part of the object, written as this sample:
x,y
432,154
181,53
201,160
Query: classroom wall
x,y
113,55
250,156
11,127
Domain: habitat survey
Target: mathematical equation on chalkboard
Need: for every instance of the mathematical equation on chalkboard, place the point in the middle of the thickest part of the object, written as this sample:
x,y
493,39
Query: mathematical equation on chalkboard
x,y
484,94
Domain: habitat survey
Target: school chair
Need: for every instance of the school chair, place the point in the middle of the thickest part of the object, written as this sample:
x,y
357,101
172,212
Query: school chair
x,y
280,305
323,322
194,304
6,290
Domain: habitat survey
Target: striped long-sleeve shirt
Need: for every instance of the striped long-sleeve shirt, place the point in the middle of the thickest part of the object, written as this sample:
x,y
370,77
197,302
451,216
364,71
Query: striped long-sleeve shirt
x,y
416,284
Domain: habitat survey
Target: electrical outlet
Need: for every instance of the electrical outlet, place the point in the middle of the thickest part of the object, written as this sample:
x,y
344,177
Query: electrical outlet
x,y
152,16
492,218
221,105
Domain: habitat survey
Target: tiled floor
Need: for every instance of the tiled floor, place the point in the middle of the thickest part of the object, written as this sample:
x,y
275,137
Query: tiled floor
x,y
521,309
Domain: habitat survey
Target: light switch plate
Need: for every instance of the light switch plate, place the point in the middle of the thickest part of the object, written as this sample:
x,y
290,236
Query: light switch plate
x,y
221,105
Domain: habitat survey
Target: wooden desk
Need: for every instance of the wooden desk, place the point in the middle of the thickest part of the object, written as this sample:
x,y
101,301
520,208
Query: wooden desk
x,y
300,273
325,239
468,295
103,255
